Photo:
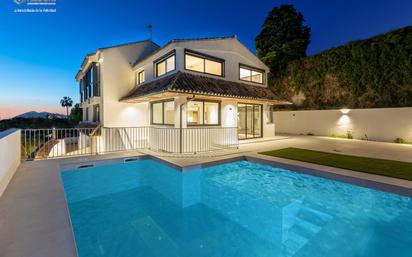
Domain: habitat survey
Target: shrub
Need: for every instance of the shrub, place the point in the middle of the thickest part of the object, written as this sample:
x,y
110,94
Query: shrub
x,y
347,135
399,140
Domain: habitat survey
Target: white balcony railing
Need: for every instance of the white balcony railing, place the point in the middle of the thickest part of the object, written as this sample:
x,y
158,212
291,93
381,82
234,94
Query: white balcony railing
x,y
53,143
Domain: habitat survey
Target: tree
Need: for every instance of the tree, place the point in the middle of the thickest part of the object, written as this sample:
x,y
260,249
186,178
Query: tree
x,y
76,114
66,102
284,38
369,73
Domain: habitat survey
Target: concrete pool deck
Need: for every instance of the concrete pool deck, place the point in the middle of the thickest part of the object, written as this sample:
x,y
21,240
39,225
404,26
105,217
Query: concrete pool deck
x,y
34,218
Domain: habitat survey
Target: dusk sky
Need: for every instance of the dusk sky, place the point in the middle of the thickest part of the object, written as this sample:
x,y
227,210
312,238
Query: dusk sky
x,y
40,53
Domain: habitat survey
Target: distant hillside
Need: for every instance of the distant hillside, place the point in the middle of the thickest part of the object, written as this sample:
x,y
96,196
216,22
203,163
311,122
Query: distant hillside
x,y
376,72
44,115
35,123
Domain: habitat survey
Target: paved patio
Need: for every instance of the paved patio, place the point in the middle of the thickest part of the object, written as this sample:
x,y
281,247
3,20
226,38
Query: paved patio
x,y
34,219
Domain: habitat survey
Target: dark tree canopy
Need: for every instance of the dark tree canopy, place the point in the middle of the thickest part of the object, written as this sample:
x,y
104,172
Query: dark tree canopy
x,y
76,114
371,73
284,38
34,123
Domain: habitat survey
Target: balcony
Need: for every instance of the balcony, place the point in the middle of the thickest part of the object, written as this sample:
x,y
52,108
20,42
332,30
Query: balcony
x,y
91,101
55,143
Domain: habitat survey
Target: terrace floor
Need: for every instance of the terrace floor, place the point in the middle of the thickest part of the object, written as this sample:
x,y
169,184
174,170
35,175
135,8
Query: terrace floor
x,y
34,219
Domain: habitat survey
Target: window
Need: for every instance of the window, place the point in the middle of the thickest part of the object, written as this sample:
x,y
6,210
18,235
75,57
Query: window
x,y
90,83
96,113
194,113
249,121
211,114
202,63
87,114
157,113
163,113
251,74
169,112
165,64
81,86
140,77
194,63
201,112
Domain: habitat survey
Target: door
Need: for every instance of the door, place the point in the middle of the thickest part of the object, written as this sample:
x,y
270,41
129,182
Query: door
x,y
249,121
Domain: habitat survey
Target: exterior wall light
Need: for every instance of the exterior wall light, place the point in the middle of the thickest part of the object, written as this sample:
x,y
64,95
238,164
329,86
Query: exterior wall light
x,y
344,110
344,121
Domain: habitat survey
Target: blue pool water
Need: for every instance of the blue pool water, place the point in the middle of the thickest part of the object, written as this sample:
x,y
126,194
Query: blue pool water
x,y
239,209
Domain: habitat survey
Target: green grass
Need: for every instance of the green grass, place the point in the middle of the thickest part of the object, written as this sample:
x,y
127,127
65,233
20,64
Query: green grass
x,y
395,169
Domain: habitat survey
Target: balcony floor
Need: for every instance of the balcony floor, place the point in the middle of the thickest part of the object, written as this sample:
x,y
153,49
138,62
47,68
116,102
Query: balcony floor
x,y
34,219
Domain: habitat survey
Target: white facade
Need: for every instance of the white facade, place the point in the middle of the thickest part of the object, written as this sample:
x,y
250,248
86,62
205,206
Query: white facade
x,y
10,144
118,76
380,124
228,49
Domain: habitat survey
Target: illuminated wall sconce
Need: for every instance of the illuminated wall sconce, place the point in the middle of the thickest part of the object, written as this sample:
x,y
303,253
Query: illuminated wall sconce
x,y
344,120
344,110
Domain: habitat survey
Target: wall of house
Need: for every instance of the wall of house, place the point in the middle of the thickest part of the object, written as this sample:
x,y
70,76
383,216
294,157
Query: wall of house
x,y
229,113
382,124
180,102
9,156
231,50
117,80
269,124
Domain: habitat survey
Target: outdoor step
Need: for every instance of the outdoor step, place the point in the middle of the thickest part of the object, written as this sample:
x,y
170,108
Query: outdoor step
x,y
294,243
305,228
314,216
244,209
154,237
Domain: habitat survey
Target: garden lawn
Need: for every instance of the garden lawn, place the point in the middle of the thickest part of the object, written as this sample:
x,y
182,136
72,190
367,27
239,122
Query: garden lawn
x,y
395,169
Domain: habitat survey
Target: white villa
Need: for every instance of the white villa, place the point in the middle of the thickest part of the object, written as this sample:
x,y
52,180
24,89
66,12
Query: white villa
x,y
192,84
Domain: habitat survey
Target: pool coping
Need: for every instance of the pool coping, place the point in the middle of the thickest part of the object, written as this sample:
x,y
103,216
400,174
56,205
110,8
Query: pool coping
x,y
372,181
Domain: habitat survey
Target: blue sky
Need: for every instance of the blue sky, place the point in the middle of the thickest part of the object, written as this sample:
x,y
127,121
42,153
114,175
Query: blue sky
x,y
41,52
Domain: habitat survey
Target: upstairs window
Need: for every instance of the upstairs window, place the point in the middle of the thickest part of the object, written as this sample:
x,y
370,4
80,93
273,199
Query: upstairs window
x,y
81,87
250,74
203,63
165,64
140,77
90,83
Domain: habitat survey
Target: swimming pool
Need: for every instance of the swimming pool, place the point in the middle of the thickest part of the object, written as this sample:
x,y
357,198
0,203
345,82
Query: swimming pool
x,y
146,208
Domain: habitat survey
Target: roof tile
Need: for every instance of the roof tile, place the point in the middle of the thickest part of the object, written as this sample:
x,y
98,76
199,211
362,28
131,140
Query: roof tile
x,y
183,82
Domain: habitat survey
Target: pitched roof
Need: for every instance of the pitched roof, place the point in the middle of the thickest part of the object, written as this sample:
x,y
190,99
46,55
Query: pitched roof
x,y
182,82
182,40
119,45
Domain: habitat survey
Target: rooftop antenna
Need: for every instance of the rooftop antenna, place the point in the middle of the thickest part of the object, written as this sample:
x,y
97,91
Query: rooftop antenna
x,y
150,28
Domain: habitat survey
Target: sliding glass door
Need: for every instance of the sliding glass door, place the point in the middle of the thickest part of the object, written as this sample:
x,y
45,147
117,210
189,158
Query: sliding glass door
x,y
249,121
